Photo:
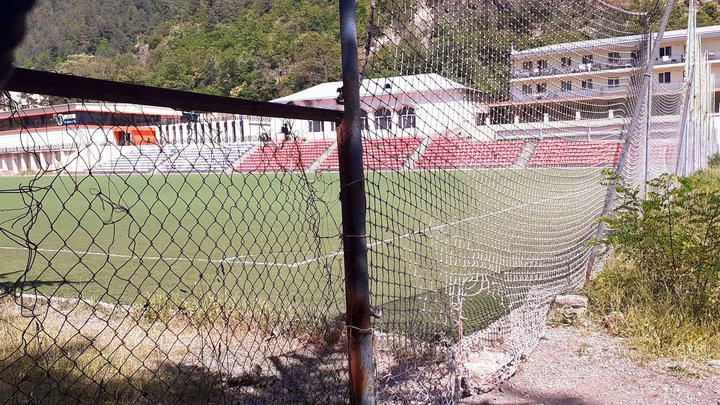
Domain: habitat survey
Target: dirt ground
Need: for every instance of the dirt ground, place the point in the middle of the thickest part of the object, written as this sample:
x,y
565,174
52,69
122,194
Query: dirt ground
x,y
573,366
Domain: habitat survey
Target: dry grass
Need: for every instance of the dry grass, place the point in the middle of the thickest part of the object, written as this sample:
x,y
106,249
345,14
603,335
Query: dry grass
x,y
81,352
64,351
620,300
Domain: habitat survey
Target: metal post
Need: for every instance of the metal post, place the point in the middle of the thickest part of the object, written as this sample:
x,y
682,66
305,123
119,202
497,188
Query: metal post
x,y
610,197
691,51
682,157
647,125
352,196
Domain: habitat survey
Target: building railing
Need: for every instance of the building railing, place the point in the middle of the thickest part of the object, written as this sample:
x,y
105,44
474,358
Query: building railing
x,y
668,60
595,91
581,68
598,67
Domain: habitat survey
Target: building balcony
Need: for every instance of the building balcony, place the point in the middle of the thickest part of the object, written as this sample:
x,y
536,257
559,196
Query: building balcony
x,y
669,60
597,91
581,68
672,86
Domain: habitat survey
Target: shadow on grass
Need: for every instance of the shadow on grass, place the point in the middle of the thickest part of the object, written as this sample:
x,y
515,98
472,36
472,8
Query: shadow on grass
x,y
7,287
54,376
429,316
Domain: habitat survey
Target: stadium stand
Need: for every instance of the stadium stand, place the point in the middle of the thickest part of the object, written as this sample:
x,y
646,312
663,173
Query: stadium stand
x,y
206,158
137,159
455,153
284,156
557,152
663,157
379,154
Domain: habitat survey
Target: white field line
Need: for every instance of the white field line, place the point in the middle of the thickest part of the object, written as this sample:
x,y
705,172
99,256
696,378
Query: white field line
x,y
435,228
230,260
235,259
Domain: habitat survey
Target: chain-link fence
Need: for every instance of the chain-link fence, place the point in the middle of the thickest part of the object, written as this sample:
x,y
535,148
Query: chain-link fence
x,y
160,255
151,257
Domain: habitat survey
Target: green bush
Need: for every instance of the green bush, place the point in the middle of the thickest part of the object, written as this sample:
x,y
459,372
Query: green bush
x,y
665,277
714,161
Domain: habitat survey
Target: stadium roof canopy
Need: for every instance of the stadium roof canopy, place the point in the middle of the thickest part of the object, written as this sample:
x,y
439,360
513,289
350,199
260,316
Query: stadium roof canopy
x,y
121,108
377,87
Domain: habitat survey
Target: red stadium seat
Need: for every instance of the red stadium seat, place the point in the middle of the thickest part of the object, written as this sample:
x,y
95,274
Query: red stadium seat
x,y
456,153
379,154
558,152
283,157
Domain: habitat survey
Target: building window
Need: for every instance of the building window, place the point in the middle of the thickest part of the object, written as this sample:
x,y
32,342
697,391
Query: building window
x,y
541,87
364,122
406,118
666,51
664,77
316,126
587,59
613,82
480,119
566,85
528,65
565,62
613,58
542,64
526,89
383,118
587,84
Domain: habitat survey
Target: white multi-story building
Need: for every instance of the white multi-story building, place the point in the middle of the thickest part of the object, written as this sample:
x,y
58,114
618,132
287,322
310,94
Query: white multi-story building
x,y
592,79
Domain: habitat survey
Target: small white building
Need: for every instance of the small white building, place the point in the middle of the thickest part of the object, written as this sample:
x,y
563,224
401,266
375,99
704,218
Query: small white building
x,y
47,137
413,105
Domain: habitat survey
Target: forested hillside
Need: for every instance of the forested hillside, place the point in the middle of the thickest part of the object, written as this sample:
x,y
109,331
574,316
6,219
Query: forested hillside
x,y
257,49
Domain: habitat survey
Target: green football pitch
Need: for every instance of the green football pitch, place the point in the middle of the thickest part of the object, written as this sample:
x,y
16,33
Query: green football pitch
x,y
275,237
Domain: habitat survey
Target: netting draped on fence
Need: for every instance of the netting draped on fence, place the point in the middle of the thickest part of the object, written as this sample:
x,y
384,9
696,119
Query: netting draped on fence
x,y
501,117
154,255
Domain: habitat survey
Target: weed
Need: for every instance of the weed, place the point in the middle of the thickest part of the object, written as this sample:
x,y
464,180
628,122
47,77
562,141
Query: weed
x,y
662,288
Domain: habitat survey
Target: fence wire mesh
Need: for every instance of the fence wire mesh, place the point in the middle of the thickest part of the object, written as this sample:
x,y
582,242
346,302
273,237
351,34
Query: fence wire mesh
x,y
155,256
150,259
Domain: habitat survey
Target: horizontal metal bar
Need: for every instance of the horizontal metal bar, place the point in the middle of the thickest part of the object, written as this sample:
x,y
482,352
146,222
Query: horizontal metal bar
x,y
62,85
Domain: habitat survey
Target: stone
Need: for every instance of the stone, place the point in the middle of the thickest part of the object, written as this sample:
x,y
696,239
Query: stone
x,y
574,301
570,307
714,364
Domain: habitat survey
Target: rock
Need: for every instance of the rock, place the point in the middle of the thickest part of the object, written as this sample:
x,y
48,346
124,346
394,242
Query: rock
x,y
575,301
483,368
570,307
714,364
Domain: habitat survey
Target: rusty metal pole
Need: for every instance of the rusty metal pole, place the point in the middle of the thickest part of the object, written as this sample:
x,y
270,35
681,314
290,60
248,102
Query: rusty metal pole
x,y
352,196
